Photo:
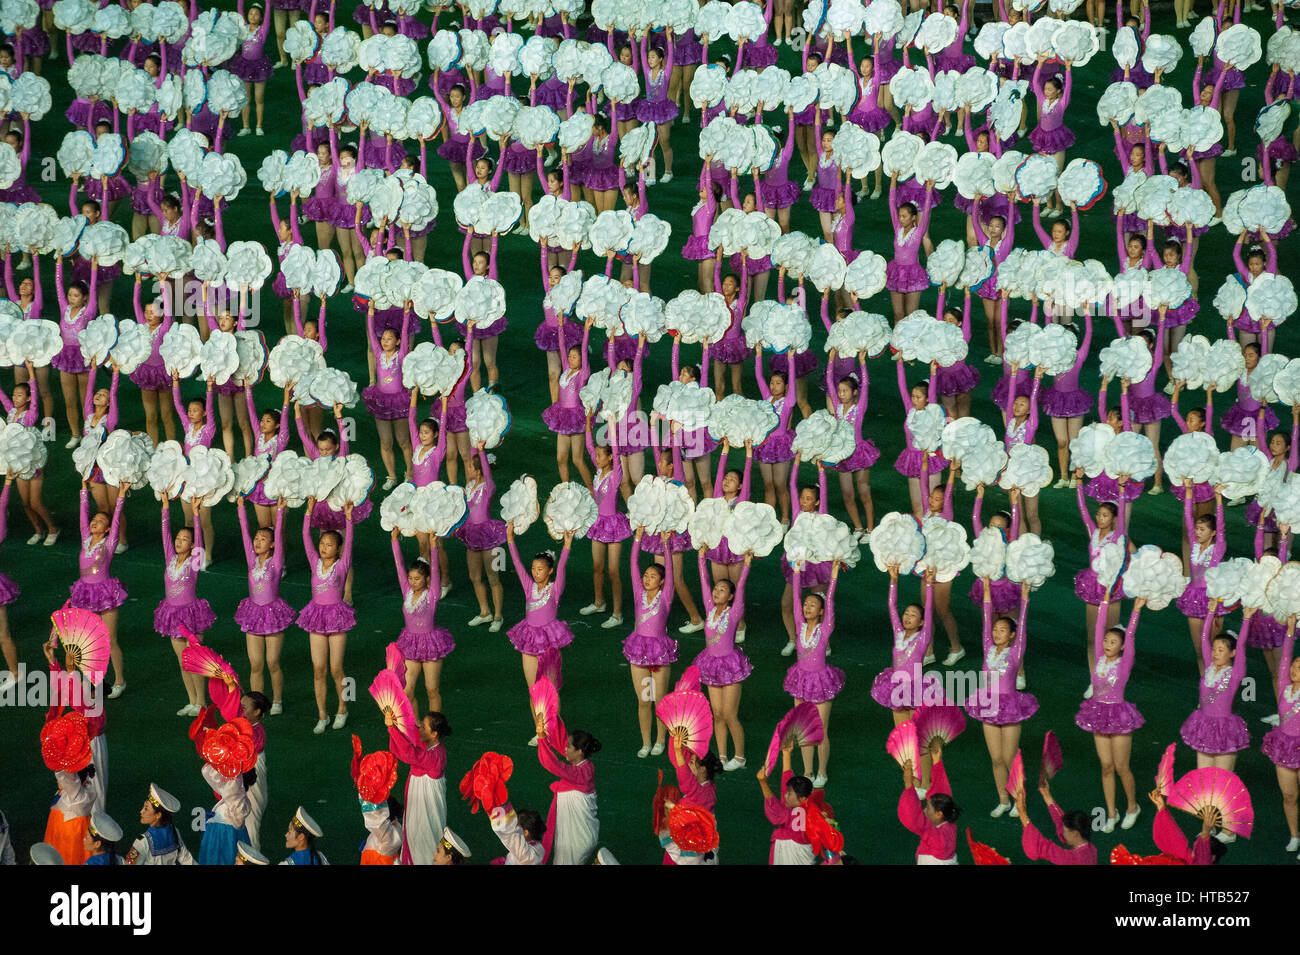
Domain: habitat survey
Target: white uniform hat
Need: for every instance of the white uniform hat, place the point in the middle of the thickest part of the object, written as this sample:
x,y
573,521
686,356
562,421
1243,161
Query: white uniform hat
x,y
605,857
306,823
162,799
250,856
45,854
452,841
103,828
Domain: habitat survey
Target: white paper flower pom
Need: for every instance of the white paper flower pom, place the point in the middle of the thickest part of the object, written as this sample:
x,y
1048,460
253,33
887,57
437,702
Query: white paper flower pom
x,y
209,475
1155,576
437,509
926,426
898,542
519,504
1261,379
1192,457
859,331
739,419
709,522
1125,358
1242,471
1286,383
753,529
1271,297
1130,455
487,418
395,510
1027,468
1226,581
1031,560
1283,592
946,551
988,555
180,350
1088,448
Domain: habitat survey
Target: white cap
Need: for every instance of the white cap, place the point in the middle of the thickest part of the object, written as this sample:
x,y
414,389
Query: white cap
x,y
249,855
455,842
45,854
163,799
605,857
306,823
103,828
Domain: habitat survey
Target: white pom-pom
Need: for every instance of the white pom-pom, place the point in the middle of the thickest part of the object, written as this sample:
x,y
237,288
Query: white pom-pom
x,y
208,477
519,504
1130,455
1226,581
988,555
1125,358
1027,468
1154,576
1088,448
180,350
818,538
946,551
487,418
570,509
857,332
1030,560
898,542
753,529
1192,457
437,509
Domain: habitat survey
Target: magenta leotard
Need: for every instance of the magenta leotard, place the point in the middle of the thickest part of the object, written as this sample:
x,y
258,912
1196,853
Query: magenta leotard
x,y
264,612
540,629
721,662
94,589
895,687
426,462
327,613
200,437
811,679
182,609
649,645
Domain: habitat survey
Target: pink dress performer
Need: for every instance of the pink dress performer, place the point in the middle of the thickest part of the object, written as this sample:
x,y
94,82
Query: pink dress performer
x,y
566,415
811,679
1038,846
958,378
323,515
1248,418
540,629
251,63
1268,633
649,647
1051,135
721,662
72,322
865,453
1086,586
705,211
896,687
1193,602
480,532
722,554
181,608
904,273
790,845
775,190
19,191
868,113
326,613
909,462
731,348
572,829
1282,744
421,640
264,613
655,106
827,184
1006,592
758,54
426,461
425,795
1106,712
1006,706
938,844
94,589
1213,730
1063,398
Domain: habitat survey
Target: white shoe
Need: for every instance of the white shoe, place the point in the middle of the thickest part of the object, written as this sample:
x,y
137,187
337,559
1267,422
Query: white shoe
x,y
1021,683
1131,817
35,538
259,132
1156,489
1271,720
52,538
346,290
740,636
691,627
612,622
1169,388
819,782
666,178
737,762
1087,694
643,752
862,194
1110,824
875,193
533,742
494,626
1001,809
649,180
1015,813
276,708
117,690
787,649
244,132
1228,152
340,720
927,660
807,185
1062,483
320,726
591,608
1294,844
992,360
954,657
73,442
478,620
446,589
657,749
390,483
1217,220
184,710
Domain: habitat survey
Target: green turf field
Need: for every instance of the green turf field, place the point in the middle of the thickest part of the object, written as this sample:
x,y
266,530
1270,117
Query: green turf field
x,y
483,692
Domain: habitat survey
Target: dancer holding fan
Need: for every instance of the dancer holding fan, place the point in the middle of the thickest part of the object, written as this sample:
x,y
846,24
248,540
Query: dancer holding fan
x,y
572,829
932,816
425,815
1074,829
